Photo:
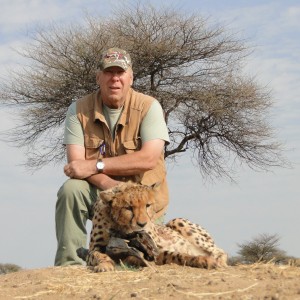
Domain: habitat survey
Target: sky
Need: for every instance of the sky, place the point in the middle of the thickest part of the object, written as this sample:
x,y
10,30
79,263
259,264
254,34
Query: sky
x,y
234,213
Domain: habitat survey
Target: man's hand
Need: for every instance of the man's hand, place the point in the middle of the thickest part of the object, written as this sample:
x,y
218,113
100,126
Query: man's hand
x,y
80,169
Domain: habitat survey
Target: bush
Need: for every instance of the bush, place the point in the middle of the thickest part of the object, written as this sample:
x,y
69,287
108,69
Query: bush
x,y
263,248
9,268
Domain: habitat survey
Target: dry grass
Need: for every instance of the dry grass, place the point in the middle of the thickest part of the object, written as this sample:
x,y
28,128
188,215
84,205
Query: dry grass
x,y
258,281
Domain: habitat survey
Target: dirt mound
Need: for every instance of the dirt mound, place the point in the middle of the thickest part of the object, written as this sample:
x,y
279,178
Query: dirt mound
x,y
260,281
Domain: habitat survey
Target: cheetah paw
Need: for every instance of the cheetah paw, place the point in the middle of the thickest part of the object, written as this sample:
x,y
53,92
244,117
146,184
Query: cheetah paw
x,y
104,267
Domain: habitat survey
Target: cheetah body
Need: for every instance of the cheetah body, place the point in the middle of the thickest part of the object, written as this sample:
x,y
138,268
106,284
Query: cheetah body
x,y
129,208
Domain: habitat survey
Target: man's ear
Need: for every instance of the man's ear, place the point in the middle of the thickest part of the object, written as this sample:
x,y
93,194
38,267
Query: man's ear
x,y
131,77
97,77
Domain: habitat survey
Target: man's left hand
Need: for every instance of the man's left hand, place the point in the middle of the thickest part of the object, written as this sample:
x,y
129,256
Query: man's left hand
x,y
80,169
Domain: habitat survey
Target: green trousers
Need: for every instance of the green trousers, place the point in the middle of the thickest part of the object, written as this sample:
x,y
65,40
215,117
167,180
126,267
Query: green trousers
x,y
74,205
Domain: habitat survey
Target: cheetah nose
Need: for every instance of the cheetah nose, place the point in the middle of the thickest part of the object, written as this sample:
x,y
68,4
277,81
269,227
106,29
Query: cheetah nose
x,y
141,224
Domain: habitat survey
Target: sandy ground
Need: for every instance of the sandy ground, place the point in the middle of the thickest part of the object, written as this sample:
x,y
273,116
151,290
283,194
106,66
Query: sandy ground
x,y
259,281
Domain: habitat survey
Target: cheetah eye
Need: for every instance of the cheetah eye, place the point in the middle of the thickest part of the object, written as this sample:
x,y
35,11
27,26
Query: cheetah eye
x,y
129,208
148,205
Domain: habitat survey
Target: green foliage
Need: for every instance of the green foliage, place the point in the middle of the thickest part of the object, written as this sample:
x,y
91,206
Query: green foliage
x,y
9,268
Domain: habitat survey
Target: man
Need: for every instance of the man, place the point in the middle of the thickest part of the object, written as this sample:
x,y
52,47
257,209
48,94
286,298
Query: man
x,y
112,135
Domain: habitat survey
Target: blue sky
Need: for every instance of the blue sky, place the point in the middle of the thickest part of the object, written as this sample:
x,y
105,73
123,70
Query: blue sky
x,y
260,202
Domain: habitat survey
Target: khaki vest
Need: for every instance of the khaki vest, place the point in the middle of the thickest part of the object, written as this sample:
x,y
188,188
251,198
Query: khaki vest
x,y
127,138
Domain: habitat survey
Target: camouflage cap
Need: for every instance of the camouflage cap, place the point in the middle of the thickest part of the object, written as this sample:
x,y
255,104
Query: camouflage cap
x,y
115,57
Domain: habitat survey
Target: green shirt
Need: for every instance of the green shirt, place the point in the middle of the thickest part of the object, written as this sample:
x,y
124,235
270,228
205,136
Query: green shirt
x,y
152,127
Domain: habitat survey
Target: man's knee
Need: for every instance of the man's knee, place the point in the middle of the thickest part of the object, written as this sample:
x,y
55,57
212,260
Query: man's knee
x,y
76,194
71,187
70,193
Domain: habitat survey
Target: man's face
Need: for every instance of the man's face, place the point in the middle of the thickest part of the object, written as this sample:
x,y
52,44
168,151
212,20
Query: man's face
x,y
114,84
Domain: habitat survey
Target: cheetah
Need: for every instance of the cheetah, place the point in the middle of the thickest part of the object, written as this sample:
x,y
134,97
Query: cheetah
x,y
129,208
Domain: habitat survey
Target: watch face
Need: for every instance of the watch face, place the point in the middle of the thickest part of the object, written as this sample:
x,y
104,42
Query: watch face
x,y
100,166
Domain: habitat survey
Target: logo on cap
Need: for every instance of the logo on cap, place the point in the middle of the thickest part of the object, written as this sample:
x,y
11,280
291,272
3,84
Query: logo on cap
x,y
115,57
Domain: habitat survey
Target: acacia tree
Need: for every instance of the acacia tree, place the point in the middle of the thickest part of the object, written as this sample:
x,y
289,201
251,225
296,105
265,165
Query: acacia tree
x,y
262,248
192,68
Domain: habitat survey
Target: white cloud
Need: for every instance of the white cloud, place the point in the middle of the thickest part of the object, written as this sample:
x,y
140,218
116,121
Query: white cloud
x,y
9,58
292,16
16,15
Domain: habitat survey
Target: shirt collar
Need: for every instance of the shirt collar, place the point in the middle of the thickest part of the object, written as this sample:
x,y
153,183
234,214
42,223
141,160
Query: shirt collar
x,y
98,109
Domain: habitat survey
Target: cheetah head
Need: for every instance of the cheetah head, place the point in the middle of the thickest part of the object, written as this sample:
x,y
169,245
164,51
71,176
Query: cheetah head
x,y
131,205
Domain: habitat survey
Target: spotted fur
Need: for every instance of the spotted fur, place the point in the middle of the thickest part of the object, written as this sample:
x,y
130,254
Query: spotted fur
x,y
129,208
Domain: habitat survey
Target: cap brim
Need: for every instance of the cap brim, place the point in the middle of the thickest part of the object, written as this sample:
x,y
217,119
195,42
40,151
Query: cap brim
x,y
108,65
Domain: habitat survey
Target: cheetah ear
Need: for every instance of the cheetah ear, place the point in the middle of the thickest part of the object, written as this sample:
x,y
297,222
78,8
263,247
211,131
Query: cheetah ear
x,y
106,196
155,186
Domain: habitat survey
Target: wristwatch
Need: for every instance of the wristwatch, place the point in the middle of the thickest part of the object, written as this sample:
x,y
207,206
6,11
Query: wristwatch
x,y
100,166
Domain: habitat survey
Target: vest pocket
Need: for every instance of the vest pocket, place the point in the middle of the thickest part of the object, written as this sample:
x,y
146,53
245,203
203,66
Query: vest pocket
x,y
132,146
92,142
92,146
